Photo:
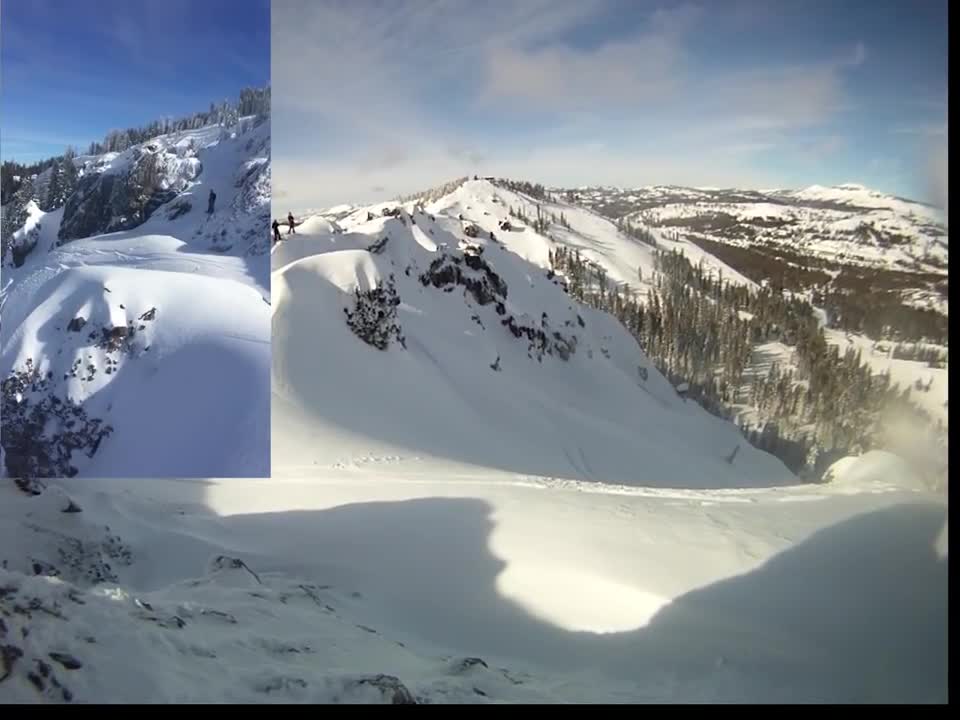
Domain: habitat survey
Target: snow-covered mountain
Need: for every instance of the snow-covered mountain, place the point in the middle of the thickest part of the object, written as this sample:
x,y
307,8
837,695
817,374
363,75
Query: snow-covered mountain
x,y
136,332
499,223
473,346
847,226
524,487
482,491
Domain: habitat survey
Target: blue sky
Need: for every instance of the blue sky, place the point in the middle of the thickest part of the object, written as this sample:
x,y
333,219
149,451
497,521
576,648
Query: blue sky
x,y
373,98
74,69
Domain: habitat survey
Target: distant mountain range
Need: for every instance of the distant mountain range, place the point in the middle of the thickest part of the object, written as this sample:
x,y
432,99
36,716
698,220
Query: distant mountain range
x,y
844,225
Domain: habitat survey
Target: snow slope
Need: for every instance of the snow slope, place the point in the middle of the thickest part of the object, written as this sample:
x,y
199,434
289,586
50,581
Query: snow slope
x,y
596,237
440,401
362,587
161,331
599,240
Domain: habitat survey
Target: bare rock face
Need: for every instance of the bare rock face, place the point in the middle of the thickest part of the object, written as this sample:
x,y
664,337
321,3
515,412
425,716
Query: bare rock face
x,y
113,337
112,201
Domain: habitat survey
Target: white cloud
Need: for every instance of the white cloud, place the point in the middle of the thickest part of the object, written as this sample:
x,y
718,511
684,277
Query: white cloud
x,y
558,78
306,184
747,148
937,172
928,130
646,68
387,96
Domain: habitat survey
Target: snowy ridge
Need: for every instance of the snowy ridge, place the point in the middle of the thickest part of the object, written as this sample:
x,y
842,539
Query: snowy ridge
x,y
108,323
555,386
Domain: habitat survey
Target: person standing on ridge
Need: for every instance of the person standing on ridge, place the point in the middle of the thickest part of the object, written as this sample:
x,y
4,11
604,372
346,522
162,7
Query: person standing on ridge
x,y
212,201
291,223
276,230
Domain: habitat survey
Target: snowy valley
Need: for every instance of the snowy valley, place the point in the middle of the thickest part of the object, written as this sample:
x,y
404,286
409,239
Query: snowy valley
x,y
829,227
136,332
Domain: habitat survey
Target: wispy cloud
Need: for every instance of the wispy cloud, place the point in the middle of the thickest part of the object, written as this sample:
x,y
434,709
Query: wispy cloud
x,y
647,68
858,57
398,96
928,130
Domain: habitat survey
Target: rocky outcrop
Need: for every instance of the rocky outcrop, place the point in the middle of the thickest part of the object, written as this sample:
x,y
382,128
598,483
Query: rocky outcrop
x,y
121,199
485,286
472,273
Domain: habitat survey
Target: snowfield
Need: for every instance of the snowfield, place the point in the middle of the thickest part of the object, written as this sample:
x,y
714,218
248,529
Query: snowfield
x,y
363,586
160,332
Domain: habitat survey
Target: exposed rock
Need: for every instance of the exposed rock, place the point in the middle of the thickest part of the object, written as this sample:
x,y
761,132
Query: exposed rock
x,y
279,683
68,661
378,247
390,687
463,665
9,654
224,562
30,486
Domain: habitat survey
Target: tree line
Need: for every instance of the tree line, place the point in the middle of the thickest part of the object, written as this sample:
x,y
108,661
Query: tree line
x,y
251,102
702,330
860,300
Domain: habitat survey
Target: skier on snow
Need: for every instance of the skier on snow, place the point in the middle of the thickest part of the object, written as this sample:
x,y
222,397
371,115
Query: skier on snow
x,y
276,230
212,202
291,223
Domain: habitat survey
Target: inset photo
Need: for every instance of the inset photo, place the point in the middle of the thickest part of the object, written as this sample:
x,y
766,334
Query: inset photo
x,y
135,294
